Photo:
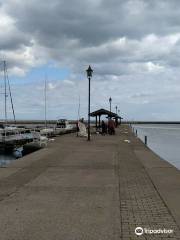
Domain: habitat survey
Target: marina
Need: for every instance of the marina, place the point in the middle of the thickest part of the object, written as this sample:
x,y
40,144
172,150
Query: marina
x,y
17,141
23,139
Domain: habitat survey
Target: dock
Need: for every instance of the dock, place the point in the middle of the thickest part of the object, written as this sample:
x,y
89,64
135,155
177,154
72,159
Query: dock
x,y
98,190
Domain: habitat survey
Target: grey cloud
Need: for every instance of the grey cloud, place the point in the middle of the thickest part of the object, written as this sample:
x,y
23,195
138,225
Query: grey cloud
x,y
13,41
133,46
76,31
93,24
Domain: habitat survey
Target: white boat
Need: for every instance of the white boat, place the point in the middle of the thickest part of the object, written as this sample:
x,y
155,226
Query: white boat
x,y
63,126
47,132
11,134
37,143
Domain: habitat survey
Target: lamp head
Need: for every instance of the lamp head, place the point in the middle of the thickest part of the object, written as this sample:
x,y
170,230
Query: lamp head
x,y
89,72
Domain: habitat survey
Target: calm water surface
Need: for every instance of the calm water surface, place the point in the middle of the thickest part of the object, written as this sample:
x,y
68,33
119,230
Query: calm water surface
x,y
163,139
6,159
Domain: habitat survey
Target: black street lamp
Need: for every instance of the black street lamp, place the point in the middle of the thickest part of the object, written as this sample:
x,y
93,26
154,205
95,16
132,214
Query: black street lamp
x,y
89,75
110,100
119,116
116,109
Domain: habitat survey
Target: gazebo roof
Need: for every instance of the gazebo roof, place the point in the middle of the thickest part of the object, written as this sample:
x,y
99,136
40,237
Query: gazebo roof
x,y
103,112
119,117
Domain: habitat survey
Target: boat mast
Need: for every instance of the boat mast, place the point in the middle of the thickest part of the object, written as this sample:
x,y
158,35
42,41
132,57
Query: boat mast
x,y
7,84
79,105
45,99
9,88
5,92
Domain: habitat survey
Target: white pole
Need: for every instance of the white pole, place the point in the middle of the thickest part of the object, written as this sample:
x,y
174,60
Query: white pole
x,y
45,99
5,100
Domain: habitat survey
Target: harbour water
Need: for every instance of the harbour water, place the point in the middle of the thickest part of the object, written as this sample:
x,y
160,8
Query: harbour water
x,y
6,159
163,139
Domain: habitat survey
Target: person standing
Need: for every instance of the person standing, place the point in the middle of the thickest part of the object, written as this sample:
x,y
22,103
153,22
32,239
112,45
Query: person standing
x,y
104,127
111,127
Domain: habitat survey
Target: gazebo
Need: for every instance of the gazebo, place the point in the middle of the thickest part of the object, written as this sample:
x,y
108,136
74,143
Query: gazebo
x,y
98,113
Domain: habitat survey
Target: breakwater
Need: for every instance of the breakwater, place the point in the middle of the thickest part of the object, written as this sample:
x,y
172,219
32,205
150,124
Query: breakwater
x,y
102,189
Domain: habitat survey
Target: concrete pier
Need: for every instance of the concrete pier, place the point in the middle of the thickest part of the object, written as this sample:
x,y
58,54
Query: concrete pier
x,y
98,190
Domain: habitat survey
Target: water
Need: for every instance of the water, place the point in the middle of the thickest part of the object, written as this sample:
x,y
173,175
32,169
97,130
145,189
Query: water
x,y
6,159
163,139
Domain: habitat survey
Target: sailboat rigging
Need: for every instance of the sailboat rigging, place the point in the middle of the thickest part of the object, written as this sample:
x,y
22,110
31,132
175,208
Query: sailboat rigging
x,y
7,90
45,101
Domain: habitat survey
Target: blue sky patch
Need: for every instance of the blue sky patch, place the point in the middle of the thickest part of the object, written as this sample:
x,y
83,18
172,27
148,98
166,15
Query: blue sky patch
x,y
38,75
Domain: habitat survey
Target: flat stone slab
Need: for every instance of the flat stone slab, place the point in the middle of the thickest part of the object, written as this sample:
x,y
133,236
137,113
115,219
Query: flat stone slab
x,y
75,178
5,172
59,213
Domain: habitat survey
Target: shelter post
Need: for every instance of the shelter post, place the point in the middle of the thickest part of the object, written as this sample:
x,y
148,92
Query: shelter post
x,y
96,122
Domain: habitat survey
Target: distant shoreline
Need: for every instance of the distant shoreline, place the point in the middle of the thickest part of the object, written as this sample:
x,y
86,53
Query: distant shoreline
x,y
54,122
152,122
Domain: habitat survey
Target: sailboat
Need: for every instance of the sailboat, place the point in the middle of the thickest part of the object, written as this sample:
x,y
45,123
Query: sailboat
x,y
11,136
40,138
37,143
46,131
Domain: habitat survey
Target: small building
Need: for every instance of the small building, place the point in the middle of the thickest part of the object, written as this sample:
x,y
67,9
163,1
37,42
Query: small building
x,y
98,113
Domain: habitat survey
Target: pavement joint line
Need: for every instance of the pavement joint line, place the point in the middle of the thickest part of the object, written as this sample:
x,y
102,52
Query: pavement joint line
x,y
119,192
152,182
161,198
156,191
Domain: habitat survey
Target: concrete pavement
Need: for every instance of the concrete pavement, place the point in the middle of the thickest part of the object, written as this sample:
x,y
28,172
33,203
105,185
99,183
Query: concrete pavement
x,y
95,190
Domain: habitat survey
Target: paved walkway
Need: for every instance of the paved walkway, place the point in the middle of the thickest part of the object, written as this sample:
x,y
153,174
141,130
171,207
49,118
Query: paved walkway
x,y
79,190
140,202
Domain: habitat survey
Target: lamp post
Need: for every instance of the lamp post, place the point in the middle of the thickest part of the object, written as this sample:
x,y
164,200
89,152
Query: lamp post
x,y
119,116
110,100
116,109
89,75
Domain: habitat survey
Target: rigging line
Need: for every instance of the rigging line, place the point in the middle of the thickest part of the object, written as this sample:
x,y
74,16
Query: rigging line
x,y
5,92
79,107
45,100
12,105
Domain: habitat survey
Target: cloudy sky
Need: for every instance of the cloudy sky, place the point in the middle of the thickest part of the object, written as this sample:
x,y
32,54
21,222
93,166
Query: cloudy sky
x,y
133,47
